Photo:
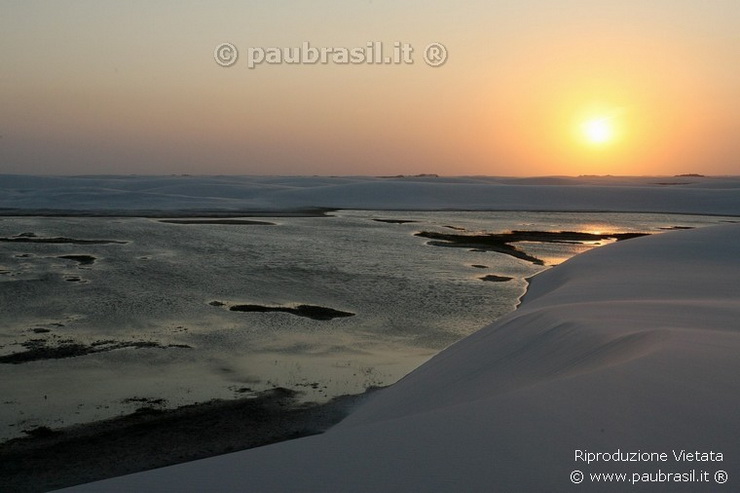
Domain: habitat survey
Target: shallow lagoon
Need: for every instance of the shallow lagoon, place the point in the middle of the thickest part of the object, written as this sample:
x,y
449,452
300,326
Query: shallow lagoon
x,y
144,318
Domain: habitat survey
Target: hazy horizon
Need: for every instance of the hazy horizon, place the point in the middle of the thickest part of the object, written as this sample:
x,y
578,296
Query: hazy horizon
x,y
528,88
367,176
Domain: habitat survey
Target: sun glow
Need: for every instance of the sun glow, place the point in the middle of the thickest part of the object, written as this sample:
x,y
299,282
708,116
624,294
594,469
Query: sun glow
x,y
598,130
601,126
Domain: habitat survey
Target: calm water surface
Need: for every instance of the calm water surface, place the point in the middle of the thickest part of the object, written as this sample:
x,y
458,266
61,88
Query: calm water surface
x,y
144,320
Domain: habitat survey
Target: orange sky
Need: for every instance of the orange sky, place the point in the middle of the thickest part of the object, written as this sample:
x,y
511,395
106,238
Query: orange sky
x,y
111,87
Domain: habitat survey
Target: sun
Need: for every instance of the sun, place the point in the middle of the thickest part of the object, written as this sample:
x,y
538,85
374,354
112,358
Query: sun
x,y
598,130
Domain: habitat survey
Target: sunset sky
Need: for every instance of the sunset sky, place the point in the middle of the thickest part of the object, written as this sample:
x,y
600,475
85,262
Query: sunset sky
x,y
530,87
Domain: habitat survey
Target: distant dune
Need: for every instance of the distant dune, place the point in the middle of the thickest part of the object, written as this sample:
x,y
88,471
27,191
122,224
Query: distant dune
x,y
230,195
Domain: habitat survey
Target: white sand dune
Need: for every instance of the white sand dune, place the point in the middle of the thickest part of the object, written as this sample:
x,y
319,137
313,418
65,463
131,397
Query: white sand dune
x,y
263,193
633,346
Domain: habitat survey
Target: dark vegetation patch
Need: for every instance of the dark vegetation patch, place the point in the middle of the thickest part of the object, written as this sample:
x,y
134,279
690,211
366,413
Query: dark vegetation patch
x,y
81,259
33,238
395,221
313,385
241,390
502,242
41,349
151,401
41,432
494,278
479,266
308,311
480,243
217,221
